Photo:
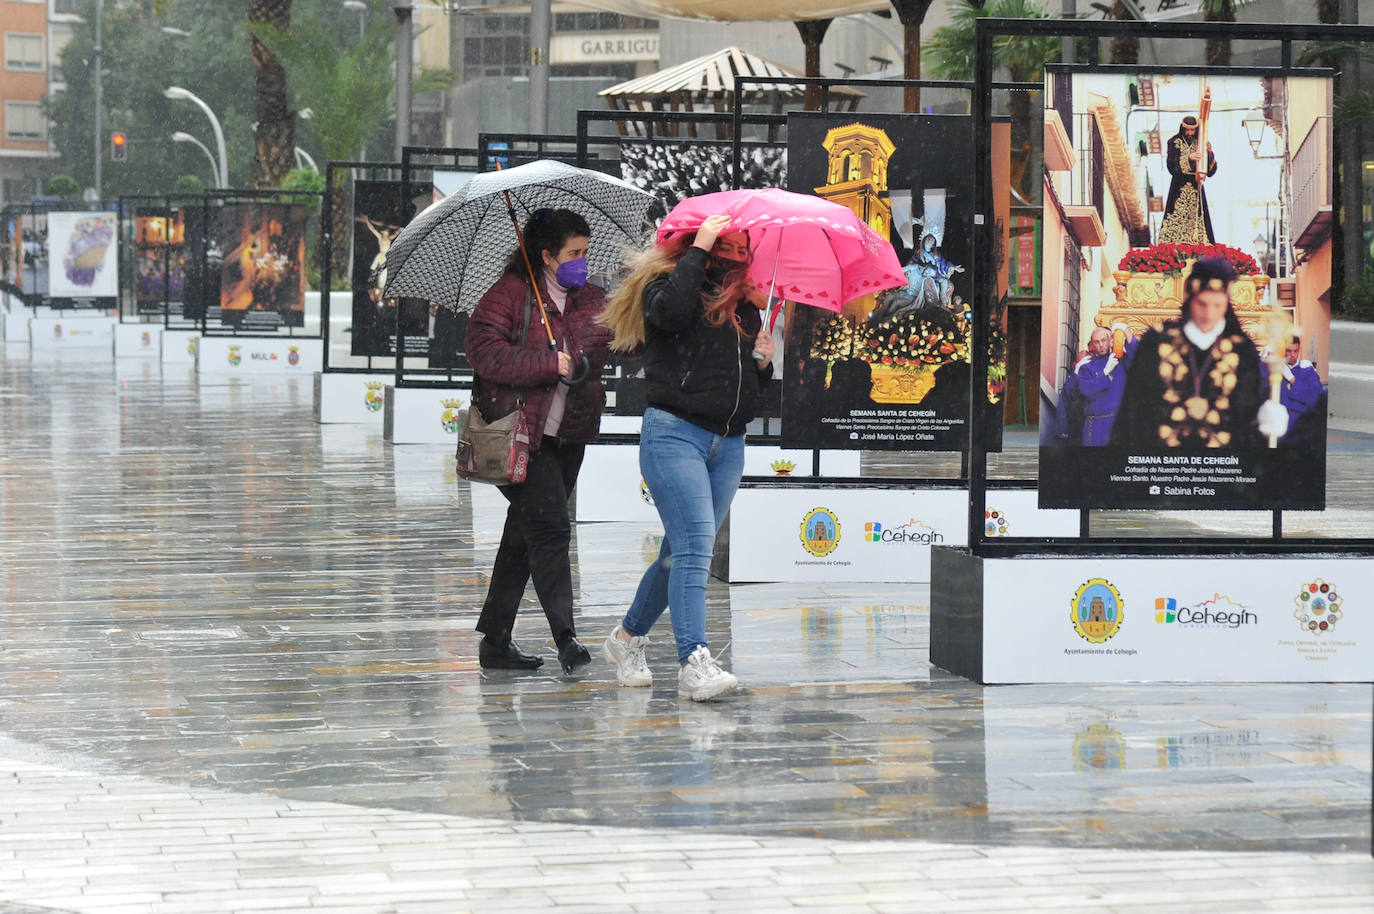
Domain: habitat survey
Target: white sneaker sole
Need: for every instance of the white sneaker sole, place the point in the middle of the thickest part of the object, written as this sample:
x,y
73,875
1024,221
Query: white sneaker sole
x,y
714,689
630,680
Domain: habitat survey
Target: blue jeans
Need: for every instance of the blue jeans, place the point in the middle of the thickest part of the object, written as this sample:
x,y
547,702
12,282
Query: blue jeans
x,y
692,475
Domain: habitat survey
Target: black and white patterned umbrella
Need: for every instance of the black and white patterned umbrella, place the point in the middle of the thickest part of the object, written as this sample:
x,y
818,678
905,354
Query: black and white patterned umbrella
x,y
453,251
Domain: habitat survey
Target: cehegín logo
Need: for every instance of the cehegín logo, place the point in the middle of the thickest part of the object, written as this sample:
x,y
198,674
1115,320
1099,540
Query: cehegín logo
x,y
644,492
1098,610
235,356
145,339
820,531
374,399
1318,607
451,416
995,523
293,356
1218,611
913,531
782,467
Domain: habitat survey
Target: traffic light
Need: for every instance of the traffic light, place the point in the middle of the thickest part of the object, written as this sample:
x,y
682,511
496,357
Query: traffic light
x,y
119,147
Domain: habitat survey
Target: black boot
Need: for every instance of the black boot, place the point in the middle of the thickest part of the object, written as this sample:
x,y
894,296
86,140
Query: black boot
x,y
571,653
508,656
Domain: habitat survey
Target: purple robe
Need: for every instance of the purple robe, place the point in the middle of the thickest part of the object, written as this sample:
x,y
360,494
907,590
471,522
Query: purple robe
x,y
1102,394
1300,394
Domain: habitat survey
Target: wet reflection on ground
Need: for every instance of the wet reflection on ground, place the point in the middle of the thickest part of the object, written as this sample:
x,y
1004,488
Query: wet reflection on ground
x,y
202,584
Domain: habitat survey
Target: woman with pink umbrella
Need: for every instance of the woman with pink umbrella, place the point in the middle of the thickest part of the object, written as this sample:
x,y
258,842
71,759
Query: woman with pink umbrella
x,y
687,304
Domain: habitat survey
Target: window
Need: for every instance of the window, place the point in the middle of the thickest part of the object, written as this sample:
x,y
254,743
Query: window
x,y
24,52
25,121
66,7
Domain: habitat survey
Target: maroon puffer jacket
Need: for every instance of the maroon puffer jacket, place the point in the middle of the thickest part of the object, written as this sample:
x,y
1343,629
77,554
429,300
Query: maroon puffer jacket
x,y
507,371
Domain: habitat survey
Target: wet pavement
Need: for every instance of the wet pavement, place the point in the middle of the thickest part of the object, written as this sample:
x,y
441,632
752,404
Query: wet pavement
x,y
209,597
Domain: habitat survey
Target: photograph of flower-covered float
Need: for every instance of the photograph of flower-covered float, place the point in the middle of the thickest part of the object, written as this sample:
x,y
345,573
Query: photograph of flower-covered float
x,y
1186,290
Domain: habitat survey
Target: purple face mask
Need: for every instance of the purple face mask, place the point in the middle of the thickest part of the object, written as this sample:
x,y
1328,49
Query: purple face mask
x,y
572,274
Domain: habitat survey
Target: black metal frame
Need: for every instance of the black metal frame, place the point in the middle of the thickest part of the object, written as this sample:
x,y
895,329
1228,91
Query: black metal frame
x,y
327,265
515,146
202,208
33,209
425,377
230,195
18,210
127,207
987,30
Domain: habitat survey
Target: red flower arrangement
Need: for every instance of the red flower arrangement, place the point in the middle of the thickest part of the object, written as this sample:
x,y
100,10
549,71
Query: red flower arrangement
x,y
1172,258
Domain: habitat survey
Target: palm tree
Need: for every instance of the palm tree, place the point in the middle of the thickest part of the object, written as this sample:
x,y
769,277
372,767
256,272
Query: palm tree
x,y
349,92
1124,50
950,53
275,137
911,13
1219,49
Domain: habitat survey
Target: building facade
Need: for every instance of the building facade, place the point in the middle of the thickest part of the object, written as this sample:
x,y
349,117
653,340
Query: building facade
x,y
30,49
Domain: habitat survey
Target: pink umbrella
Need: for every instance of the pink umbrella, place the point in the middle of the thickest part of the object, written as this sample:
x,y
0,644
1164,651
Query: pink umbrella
x,y
805,249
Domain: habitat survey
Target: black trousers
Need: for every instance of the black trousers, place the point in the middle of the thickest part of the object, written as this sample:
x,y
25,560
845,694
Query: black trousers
x,y
534,544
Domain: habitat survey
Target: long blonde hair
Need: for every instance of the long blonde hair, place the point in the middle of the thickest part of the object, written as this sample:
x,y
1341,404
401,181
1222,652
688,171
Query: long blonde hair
x,y
624,312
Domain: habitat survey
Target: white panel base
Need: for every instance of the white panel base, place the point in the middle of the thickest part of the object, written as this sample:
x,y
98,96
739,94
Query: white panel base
x,y
1212,619
69,332
351,397
249,355
609,485
179,346
424,415
611,488
138,341
869,535
1016,512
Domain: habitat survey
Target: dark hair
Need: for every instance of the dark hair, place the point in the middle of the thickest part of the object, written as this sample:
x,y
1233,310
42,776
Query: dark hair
x,y
547,230
1215,274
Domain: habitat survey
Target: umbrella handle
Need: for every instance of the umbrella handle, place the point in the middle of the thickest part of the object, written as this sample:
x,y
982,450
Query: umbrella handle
x,y
529,268
582,374
772,285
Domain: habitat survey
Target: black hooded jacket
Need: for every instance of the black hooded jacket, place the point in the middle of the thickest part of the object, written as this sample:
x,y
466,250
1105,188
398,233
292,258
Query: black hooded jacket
x,y
704,374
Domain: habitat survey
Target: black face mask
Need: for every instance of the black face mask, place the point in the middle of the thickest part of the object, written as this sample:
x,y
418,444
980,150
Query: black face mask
x,y
720,271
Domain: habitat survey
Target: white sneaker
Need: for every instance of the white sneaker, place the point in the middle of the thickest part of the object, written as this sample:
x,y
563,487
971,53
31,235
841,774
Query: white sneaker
x,y
631,669
702,679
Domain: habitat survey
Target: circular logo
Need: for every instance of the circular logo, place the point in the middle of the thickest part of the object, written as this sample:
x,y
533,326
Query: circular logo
x,y
1318,607
820,531
293,357
995,523
1097,610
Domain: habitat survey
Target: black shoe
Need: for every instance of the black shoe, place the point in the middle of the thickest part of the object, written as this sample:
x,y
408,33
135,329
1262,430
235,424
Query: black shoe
x,y
571,654
493,656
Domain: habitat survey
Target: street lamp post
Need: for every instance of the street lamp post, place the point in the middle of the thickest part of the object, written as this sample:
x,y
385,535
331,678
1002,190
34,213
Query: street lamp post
x,y
176,92
541,29
99,130
181,137
307,158
404,39
361,7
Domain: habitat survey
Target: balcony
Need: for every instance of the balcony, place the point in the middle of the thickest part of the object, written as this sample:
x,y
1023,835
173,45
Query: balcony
x,y
1058,146
1312,167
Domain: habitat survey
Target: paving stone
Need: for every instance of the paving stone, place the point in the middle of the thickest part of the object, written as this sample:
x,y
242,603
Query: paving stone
x,y
239,672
